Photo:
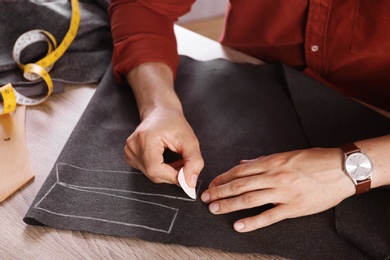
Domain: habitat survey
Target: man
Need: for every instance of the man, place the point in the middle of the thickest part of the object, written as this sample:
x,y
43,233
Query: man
x,y
341,42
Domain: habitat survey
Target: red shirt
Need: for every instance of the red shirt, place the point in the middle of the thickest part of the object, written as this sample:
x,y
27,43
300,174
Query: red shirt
x,y
346,42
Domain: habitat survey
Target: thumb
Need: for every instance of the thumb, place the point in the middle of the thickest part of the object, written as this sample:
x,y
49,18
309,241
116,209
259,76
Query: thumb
x,y
193,164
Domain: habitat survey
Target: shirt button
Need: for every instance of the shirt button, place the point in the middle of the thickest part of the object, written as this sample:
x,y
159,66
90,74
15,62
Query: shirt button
x,y
314,48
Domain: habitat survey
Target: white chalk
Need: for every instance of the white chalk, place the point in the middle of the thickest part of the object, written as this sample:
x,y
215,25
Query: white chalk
x,y
191,192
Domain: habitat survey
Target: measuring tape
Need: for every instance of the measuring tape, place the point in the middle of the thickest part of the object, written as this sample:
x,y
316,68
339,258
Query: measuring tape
x,y
41,68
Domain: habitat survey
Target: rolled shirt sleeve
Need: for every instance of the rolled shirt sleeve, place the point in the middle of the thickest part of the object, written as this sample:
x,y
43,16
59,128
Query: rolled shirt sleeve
x,y
142,32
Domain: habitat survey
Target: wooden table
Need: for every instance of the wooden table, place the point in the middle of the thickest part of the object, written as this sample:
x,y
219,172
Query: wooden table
x,y
48,127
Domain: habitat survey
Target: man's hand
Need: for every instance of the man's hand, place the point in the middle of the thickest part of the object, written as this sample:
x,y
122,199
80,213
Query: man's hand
x,y
298,183
164,129
163,126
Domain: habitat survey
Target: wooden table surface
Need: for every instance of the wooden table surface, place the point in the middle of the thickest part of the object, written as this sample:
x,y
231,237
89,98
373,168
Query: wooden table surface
x,y
48,127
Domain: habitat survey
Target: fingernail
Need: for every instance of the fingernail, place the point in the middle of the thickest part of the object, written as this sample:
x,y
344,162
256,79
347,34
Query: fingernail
x,y
238,226
214,207
193,180
205,196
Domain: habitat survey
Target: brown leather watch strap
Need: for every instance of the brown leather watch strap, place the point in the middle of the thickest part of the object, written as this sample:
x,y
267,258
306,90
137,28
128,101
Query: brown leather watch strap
x,y
363,186
350,148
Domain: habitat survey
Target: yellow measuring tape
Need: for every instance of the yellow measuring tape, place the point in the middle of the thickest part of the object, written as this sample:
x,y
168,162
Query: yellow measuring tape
x,y
41,68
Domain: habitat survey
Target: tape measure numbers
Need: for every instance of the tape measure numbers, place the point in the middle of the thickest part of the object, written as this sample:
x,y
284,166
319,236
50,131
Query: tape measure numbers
x,y
40,69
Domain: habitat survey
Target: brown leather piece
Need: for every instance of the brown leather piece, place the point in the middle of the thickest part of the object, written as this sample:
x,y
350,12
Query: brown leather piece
x,y
363,186
15,166
350,148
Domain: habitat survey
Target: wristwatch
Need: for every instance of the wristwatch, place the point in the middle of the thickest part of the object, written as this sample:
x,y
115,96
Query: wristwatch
x,y
358,166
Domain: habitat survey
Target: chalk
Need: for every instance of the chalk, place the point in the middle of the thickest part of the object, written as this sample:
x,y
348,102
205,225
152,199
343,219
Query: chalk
x,y
182,181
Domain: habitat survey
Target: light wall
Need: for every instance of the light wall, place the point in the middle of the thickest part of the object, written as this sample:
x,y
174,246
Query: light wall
x,y
204,9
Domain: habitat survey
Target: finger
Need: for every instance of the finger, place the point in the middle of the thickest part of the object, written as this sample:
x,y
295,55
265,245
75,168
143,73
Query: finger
x,y
246,161
132,160
192,167
246,201
133,153
169,176
152,166
251,160
266,218
239,171
235,188
160,172
177,165
193,160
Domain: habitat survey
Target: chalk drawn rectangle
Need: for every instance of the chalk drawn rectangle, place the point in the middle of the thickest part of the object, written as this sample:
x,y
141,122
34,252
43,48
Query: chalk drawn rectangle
x,y
70,202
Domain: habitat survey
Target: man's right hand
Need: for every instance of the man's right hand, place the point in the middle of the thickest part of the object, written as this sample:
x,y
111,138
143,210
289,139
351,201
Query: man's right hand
x,y
163,126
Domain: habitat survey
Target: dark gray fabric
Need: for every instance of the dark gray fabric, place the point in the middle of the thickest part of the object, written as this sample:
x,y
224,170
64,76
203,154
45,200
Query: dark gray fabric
x,y
365,220
238,111
85,61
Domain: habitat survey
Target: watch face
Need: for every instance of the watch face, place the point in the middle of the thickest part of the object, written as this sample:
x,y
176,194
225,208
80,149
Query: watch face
x,y
358,166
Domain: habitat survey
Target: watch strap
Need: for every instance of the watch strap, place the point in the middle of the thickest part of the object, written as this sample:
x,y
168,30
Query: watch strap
x,y
363,185
350,148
